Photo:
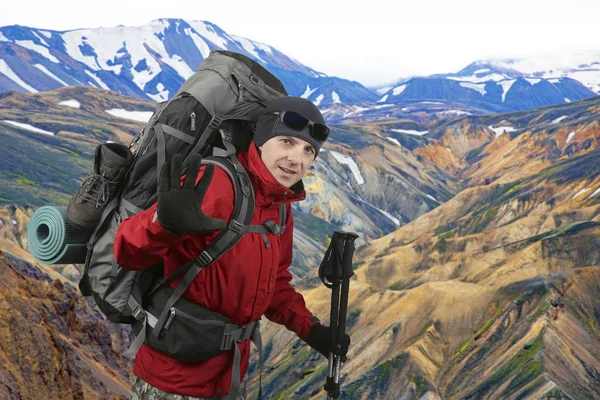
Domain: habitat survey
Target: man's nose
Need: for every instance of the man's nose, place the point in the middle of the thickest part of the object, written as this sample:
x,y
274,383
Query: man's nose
x,y
295,156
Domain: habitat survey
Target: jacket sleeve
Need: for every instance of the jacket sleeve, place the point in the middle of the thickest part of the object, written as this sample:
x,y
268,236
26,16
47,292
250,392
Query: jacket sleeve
x,y
288,307
141,241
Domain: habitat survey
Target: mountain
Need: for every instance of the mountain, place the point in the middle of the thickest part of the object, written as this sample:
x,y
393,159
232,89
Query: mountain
x,y
506,85
149,61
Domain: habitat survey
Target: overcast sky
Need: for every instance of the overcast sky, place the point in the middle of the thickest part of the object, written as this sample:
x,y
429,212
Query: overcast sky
x,y
371,41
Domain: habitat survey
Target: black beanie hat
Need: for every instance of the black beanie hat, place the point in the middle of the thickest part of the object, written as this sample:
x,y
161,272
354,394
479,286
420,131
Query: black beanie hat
x,y
269,125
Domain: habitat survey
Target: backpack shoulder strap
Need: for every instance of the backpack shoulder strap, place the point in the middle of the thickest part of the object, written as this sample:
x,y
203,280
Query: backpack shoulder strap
x,y
238,226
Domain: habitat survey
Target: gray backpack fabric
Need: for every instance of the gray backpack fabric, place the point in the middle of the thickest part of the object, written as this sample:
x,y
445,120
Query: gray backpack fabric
x,y
213,114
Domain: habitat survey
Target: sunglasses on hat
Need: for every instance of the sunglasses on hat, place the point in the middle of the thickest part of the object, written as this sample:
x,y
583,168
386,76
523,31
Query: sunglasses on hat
x,y
298,122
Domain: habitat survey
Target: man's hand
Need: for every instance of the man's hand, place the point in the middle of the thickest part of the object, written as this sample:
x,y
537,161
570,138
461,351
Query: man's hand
x,y
319,338
179,207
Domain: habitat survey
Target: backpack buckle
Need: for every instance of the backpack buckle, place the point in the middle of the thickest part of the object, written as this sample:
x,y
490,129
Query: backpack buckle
x,y
226,342
137,312
236,227
204,258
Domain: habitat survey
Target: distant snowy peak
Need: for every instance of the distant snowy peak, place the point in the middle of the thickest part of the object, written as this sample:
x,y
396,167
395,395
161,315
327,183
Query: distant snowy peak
x,y
506,85
581,66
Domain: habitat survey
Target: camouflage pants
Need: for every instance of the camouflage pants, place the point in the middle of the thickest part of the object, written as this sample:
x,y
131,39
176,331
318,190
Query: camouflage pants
x,y
144,391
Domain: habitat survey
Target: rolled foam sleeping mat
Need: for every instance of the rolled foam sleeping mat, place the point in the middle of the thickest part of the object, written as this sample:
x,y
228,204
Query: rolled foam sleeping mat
x,y
53,240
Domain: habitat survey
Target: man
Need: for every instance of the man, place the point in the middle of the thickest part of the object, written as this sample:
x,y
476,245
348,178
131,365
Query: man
x,y
250,280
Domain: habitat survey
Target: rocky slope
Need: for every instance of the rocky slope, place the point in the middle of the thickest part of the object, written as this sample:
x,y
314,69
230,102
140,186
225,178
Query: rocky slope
x,y
54,344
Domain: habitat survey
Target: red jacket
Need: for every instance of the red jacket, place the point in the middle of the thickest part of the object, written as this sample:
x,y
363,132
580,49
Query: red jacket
x,y
247,282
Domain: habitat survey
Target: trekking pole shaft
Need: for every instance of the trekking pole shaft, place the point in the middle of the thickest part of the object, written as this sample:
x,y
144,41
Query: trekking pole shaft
x,y
347,274
334,313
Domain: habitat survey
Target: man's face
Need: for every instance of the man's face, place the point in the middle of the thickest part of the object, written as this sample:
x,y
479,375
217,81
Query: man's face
x,y
287,158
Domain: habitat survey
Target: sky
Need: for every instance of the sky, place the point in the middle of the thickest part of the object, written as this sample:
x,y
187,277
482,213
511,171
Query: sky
x,y
373,42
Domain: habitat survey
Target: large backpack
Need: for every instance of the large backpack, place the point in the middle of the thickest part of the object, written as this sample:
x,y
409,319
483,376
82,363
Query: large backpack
x,y
213,114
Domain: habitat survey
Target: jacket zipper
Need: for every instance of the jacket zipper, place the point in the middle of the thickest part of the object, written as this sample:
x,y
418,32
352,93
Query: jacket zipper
x,y
193,118
170,319
240,91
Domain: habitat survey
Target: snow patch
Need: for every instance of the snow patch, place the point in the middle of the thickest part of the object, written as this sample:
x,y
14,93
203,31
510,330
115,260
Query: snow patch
x,y
308,91
355,110
199,42
398,89
383,90
28,127
140,116
162,95
533,81
481,71
209,33
557,120
474,86
3,38
98,80
432,198
390,216
410,132
478,79
581,192
335,98
570,136
41,39
567,100
70,103
394,141
595,193
456,112
449,150
347,160
50,74
319,99
46,33
501,129
383,99
29,44
506,87
249,47
387,214
10,74
381,106
14,222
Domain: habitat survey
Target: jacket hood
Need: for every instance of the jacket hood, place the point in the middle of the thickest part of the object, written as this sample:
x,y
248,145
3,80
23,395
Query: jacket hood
x,y
267,189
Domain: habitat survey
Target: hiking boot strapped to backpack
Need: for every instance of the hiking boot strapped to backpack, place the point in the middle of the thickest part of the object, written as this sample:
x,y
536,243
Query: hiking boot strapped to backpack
x,y
212,114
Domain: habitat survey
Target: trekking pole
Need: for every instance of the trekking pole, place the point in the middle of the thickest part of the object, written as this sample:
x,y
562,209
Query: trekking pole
x,y
337,269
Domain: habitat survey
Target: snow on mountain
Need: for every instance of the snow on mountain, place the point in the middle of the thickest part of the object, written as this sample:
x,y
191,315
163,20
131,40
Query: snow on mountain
x,y
506,84
581,66
150,61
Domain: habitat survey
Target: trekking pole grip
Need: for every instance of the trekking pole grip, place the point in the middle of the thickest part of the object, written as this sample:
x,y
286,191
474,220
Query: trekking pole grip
x,y
347,273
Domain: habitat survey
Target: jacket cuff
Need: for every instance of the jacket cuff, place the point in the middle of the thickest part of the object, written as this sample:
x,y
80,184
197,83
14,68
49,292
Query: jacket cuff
x,y
303,334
